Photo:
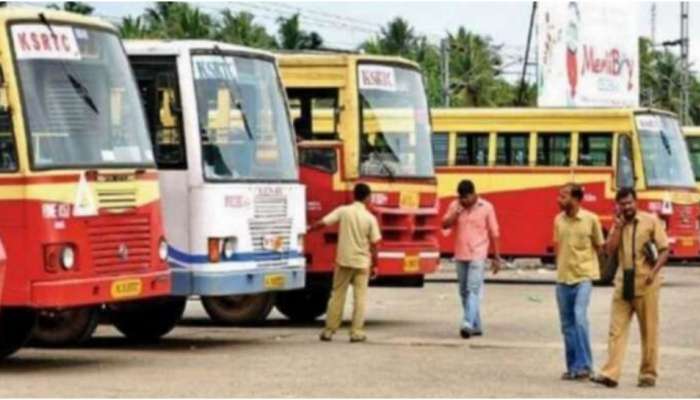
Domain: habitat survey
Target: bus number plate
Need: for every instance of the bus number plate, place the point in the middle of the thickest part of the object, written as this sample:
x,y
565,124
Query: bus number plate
x,y
409,200
411,264
126,288
274,281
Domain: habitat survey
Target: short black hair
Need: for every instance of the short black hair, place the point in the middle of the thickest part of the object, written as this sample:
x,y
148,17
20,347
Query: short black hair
x,y
625,192
576,190
465,188
361,192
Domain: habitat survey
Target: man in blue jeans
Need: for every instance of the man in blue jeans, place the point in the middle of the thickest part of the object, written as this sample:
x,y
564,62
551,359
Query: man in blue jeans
x,y
578,239
474,220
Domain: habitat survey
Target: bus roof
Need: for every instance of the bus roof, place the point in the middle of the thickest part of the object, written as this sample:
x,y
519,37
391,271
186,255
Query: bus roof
x,y
174,47
524,112
323,58
691,130
14,13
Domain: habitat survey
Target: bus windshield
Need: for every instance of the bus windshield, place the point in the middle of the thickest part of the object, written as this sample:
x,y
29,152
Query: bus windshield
x,y
694,151
79,97
395,136
664,152
243,119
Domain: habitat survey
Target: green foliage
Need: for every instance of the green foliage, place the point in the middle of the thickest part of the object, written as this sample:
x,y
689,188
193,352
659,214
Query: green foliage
x,y
77,7
241,29
292,37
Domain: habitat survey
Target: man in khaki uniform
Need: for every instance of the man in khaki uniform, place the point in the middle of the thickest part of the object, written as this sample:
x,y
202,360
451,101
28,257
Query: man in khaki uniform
x,y
578,239
637,238
356,256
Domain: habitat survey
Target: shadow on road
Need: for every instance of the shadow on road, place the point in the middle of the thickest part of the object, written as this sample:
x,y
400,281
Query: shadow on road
x,y
163,345
20,363
285,323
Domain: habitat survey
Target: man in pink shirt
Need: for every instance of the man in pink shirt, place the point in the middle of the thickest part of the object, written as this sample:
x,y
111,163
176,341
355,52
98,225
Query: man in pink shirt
x,y
476,229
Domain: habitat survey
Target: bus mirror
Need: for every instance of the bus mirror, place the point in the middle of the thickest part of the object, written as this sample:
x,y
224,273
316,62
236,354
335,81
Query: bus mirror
x,y
222,120
116,99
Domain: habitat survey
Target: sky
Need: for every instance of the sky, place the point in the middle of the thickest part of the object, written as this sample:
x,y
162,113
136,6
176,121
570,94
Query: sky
x,y
345,24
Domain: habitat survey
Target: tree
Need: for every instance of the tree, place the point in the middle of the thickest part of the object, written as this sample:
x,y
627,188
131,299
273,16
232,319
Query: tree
x,y
475,65
133,28
77,7
397,38
178,20
240,29
292,37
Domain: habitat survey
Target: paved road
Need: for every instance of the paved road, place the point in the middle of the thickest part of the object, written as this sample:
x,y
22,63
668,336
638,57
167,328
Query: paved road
x,y
414,351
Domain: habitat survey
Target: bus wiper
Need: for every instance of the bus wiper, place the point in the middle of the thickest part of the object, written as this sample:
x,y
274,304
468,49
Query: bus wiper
x,y
665,142
384,165
236,96
79,88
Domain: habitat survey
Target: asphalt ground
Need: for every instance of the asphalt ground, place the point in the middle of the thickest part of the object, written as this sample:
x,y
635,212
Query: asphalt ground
x,y
414,350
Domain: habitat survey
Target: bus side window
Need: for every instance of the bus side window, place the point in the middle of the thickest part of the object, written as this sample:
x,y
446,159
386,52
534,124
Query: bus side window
x,y
157,81
512,149
472,149
323,159
553,149
595,149
441,146
8,155
625,167
315,113
694,151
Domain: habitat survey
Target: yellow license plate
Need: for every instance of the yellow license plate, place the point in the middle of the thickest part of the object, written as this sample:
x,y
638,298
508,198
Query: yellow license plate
x,y
687,242
409,200
126,288
274,281
411,264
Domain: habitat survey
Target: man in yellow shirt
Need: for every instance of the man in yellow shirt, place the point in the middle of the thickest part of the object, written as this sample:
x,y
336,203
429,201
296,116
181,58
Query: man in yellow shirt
x,y
641,244
578,239
356,256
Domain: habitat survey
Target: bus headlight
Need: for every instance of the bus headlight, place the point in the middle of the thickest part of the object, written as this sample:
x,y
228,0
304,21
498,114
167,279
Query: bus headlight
x,y
230,247
300,241
67,257
163,249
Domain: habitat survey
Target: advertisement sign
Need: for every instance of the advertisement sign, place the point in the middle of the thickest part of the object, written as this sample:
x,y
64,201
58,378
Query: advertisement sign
x,y
587,54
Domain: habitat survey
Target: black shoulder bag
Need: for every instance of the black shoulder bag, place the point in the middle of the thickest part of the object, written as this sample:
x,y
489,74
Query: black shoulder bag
x,y
628,273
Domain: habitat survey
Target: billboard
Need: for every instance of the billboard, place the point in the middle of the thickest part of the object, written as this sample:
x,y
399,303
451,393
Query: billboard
x,y
588,54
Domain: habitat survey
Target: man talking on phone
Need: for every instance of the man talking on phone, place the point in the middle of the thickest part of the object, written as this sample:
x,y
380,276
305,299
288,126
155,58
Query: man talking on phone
x,y
640,242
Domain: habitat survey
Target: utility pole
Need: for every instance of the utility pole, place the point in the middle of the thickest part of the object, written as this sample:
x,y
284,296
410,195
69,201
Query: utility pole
x,y
445,61
523,85
685,81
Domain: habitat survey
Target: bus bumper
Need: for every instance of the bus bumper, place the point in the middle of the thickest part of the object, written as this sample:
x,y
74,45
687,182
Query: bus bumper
x,y
99,290
402,263
208,282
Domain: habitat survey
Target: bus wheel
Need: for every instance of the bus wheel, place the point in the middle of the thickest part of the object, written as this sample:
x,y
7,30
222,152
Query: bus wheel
x,y
16,326
72,326
240,309
147,320
303,305
608,268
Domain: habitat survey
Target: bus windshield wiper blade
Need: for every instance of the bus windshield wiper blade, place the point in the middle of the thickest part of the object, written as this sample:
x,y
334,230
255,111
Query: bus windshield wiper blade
x,y
665,142
386,167
236,97
79,88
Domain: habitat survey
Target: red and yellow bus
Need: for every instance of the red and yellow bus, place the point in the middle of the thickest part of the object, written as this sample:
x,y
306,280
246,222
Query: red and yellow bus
x,y
362,118
519,158
79,193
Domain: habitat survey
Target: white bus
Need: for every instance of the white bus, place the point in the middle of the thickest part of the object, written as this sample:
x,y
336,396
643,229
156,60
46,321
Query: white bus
x,y
234,210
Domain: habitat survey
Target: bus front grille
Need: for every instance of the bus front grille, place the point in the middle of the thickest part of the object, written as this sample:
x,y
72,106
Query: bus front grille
x,y
117,200
120,243
270,221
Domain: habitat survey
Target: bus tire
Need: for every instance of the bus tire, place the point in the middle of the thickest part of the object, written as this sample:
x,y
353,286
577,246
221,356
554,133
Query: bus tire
x,y
304,305
69,327
608,268
16,325
240,309
147,320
